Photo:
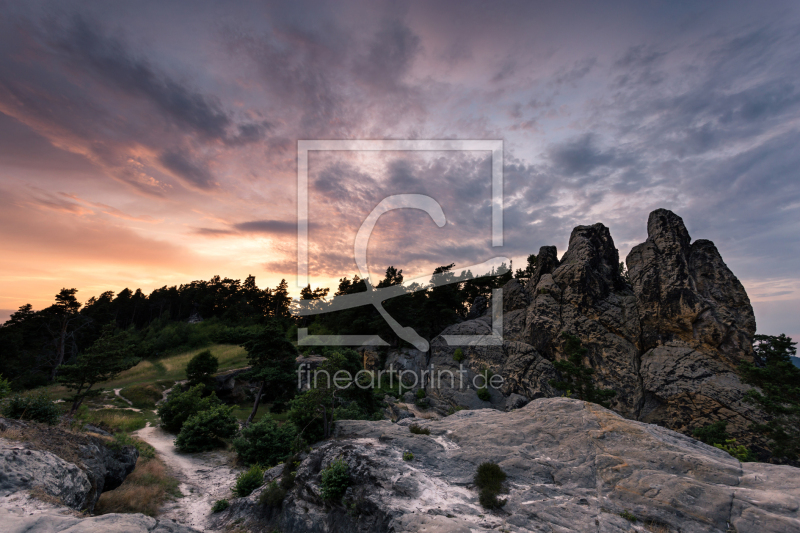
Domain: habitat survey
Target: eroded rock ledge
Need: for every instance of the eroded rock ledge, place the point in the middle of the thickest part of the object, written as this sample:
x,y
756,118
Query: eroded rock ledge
x,y
572,466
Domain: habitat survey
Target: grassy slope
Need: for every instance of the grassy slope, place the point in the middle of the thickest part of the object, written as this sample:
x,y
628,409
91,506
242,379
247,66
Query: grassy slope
x,y
171,368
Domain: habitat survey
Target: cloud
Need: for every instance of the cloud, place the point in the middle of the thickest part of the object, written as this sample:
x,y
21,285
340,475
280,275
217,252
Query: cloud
x,y
189,171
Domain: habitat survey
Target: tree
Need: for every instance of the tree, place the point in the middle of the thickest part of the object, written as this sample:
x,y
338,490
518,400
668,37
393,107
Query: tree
x,y
103,361
64,315
530,269
272,357
313,411
201,370
577,377
5,387
779,396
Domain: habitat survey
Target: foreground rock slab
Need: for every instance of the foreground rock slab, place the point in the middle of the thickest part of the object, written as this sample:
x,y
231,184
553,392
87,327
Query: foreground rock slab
x,y
54,522
571,465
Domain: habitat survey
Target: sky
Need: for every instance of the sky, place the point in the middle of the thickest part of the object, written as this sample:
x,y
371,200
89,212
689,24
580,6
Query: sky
x,y
150,143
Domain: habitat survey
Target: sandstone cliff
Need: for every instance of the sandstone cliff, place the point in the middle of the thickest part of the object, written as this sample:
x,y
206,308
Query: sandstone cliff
x,y
668,341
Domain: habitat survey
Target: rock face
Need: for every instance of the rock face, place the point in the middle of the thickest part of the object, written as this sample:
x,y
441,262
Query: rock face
x,y
668,341
25,469
572,466
75,468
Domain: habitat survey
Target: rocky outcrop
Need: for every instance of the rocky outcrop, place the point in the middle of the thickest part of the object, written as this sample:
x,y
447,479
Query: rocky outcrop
x,y
572,466
697,327
72,467
25,469
668,341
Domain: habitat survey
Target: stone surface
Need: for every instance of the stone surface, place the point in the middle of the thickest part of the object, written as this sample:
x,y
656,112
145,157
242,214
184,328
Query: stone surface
x,y
54,522
572,466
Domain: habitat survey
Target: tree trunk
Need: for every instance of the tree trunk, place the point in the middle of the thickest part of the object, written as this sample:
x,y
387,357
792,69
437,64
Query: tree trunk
x,y
255,404
60,349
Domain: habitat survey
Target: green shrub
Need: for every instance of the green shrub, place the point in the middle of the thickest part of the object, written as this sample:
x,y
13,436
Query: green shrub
x,y
627,515
456,408
713,434
201,369
180,405
248,481
489,479
483,394
458,355
272,496
38,408
419,430
420,393
740,452
265,441
205,430
220,505
335,480
408,456
5,387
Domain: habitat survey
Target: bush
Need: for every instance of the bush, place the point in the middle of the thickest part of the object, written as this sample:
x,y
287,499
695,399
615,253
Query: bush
x,y
408,456
740,452
713,434
220,505
483,394
420,393
458,355
205,430
627,515
335,480
38,408
179,406
201,369
489,479
419,430
5,387
273,495
248,481
265,442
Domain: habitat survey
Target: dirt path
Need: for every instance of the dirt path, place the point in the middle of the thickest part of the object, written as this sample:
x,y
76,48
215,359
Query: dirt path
x,y
205,478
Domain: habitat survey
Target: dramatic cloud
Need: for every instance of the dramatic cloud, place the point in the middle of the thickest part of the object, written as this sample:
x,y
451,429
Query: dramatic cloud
x,y
160,138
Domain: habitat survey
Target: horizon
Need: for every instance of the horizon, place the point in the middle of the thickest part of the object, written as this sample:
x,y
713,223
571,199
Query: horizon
x,y
152,145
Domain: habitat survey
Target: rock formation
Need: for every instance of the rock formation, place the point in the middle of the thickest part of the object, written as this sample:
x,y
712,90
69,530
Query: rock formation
x,y
572,466
73,467
668,341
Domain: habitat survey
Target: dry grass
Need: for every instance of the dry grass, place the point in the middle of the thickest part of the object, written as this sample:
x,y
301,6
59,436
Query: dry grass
x,y
654,527
113,420
143,395
40,494
144,491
